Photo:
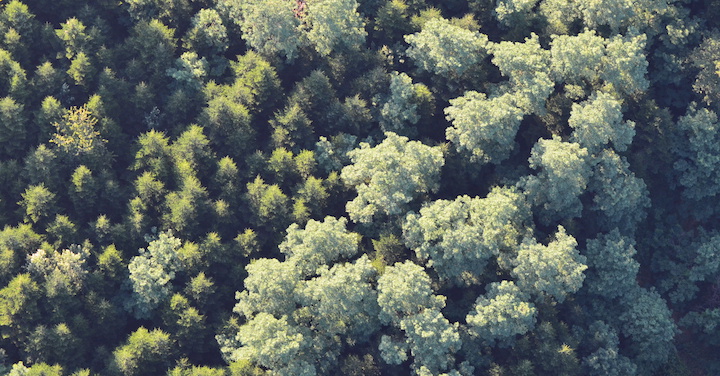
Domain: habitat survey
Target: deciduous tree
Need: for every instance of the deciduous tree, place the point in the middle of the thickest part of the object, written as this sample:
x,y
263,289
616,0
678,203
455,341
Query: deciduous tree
x,y
458,238
444,49
554,270
390,175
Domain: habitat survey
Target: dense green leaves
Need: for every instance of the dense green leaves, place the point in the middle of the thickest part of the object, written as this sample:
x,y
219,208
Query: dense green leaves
x,y
359,187
598,122
563,177
460,237
151,273
270,27
390,175
318,244
554,270
444,49
501,314
486,127
335,25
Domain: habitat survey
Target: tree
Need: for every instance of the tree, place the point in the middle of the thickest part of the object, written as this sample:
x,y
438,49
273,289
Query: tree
x,y
612,270
63,273
606,360
269,289
432,341
15,79
318,244
390,175
625,65
444,49
555,270
527,66
520,61
169,11
15,244
76,40
341,301
193,147
275,344
648,323
145,352
38,204
268,204
401,108
256,84
151,273
612,13
563,177
620,15
270,27
151,46
190,71
154,155
597,122
13,132
19,28
620,199
208,38
76,134
697,154
81,69
18,307
587,58
150,195
196,371
335,26
501,314
186,326
577,58
511,13
707,80
404,290
484,127
50,112
458,238
84,192
37,369
187,208
392,21
292,129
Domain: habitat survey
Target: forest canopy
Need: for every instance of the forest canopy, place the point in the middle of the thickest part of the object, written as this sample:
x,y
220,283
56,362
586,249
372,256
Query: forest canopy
x,y
359,187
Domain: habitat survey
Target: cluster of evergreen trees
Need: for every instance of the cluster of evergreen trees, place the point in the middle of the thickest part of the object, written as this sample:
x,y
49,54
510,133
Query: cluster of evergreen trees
x,y
359,187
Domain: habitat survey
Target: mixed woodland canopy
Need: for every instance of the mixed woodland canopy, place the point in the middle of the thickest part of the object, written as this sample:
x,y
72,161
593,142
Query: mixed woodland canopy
x,y
359,187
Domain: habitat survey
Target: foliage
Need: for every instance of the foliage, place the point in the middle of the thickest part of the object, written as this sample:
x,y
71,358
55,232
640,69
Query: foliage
x,y
457,238
390,175
598,122
697,156
335,25
76,134
270,27
563,177
501,314
151,273
444,49
404,290
318,244
620,197
322,187
611,266
144,352
484,127
341,301
554,270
